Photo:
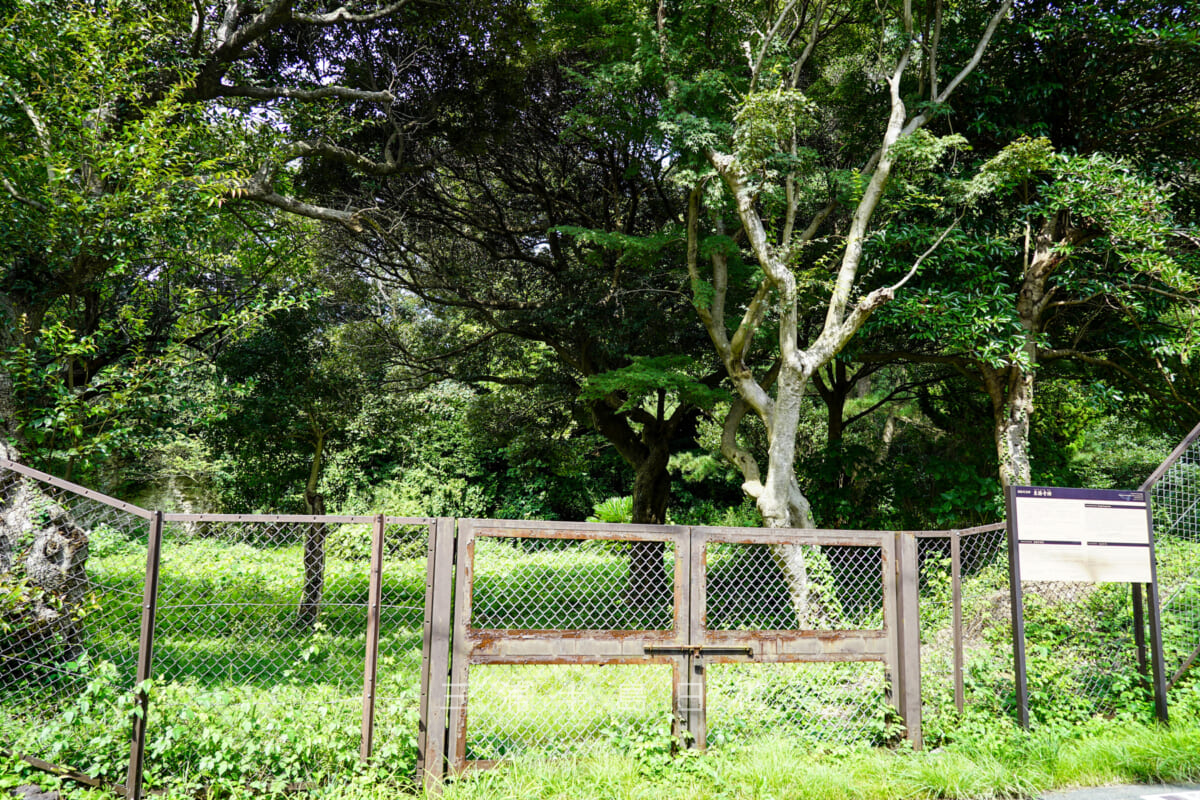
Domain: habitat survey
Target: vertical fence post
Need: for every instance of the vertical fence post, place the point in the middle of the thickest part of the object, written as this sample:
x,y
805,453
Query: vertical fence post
x,y
371,669
909,634
435,656
692,551
957,611
460,666
1017,602
137,748
1139,629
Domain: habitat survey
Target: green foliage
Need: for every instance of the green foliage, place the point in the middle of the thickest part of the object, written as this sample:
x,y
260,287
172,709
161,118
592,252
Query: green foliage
x,y
646,377
613,510
766,122
1018,163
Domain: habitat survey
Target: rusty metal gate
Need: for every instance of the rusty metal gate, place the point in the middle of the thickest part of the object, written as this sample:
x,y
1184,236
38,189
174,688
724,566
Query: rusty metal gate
x,y
535,597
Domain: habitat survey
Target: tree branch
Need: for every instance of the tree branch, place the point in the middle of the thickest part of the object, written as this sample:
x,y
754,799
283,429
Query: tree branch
x,y
20,198
343,14
390,166
351,219
305,95
977,56
39,126
917,264
766,43
197,28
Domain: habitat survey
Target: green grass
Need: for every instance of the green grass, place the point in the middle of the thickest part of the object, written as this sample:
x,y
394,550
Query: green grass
x,y
1010,764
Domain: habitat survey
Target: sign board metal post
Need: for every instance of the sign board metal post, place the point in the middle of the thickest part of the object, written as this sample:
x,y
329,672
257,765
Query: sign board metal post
x,y
1156,647
1017,603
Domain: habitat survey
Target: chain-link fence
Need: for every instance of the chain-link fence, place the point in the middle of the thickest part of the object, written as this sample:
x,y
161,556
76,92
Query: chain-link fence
x,y
72,571
1081,654
283,648
288,647
261,638
1175,497
758,588
563,607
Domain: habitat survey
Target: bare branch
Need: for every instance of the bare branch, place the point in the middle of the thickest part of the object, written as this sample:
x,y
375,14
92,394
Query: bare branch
x,y
766,43
235,41
737,455
351,219
343,14
344,155
893,395
977,56
753,317
712,317
917,264
39,126
933,50
306,95
813,38
233,10
20,198
1187,236
197,27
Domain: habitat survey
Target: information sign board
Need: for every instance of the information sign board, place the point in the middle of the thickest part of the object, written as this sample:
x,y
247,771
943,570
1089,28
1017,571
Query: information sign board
x,y
1085,535
1090,535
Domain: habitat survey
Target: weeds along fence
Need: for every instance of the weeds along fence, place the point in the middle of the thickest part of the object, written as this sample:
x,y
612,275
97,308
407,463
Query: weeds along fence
x,y
277,650
1082,653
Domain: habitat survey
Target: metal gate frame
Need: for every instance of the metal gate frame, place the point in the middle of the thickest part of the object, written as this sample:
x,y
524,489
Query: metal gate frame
x,y
688,645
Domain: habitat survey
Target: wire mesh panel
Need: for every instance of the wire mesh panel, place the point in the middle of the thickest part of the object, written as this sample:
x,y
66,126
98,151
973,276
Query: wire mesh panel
x,y
592,706
973,564
261,639
555,627
1080,652
829,703
750,587
810,613
1175,499
568,584
71,581
402,613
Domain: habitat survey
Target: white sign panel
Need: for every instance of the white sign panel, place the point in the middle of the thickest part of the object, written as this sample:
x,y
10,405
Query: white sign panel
x,y
1091,535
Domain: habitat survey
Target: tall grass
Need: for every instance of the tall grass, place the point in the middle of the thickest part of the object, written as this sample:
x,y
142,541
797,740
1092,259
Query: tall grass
x,y
1010,764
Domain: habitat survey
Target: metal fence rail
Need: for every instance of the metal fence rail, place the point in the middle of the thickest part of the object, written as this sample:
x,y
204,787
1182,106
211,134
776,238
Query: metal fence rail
x,y
304,639
277,620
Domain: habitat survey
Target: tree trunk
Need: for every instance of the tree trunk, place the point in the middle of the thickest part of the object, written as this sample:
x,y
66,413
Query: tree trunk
x,y
649,583
649,454
1011,390
314,544
1013,417
782,503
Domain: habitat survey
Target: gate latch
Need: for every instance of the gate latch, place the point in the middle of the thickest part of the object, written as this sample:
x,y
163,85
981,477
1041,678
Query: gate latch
x,y
699,650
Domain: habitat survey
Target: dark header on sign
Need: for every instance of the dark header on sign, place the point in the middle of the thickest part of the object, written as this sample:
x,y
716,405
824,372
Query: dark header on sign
x,y
1060,493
